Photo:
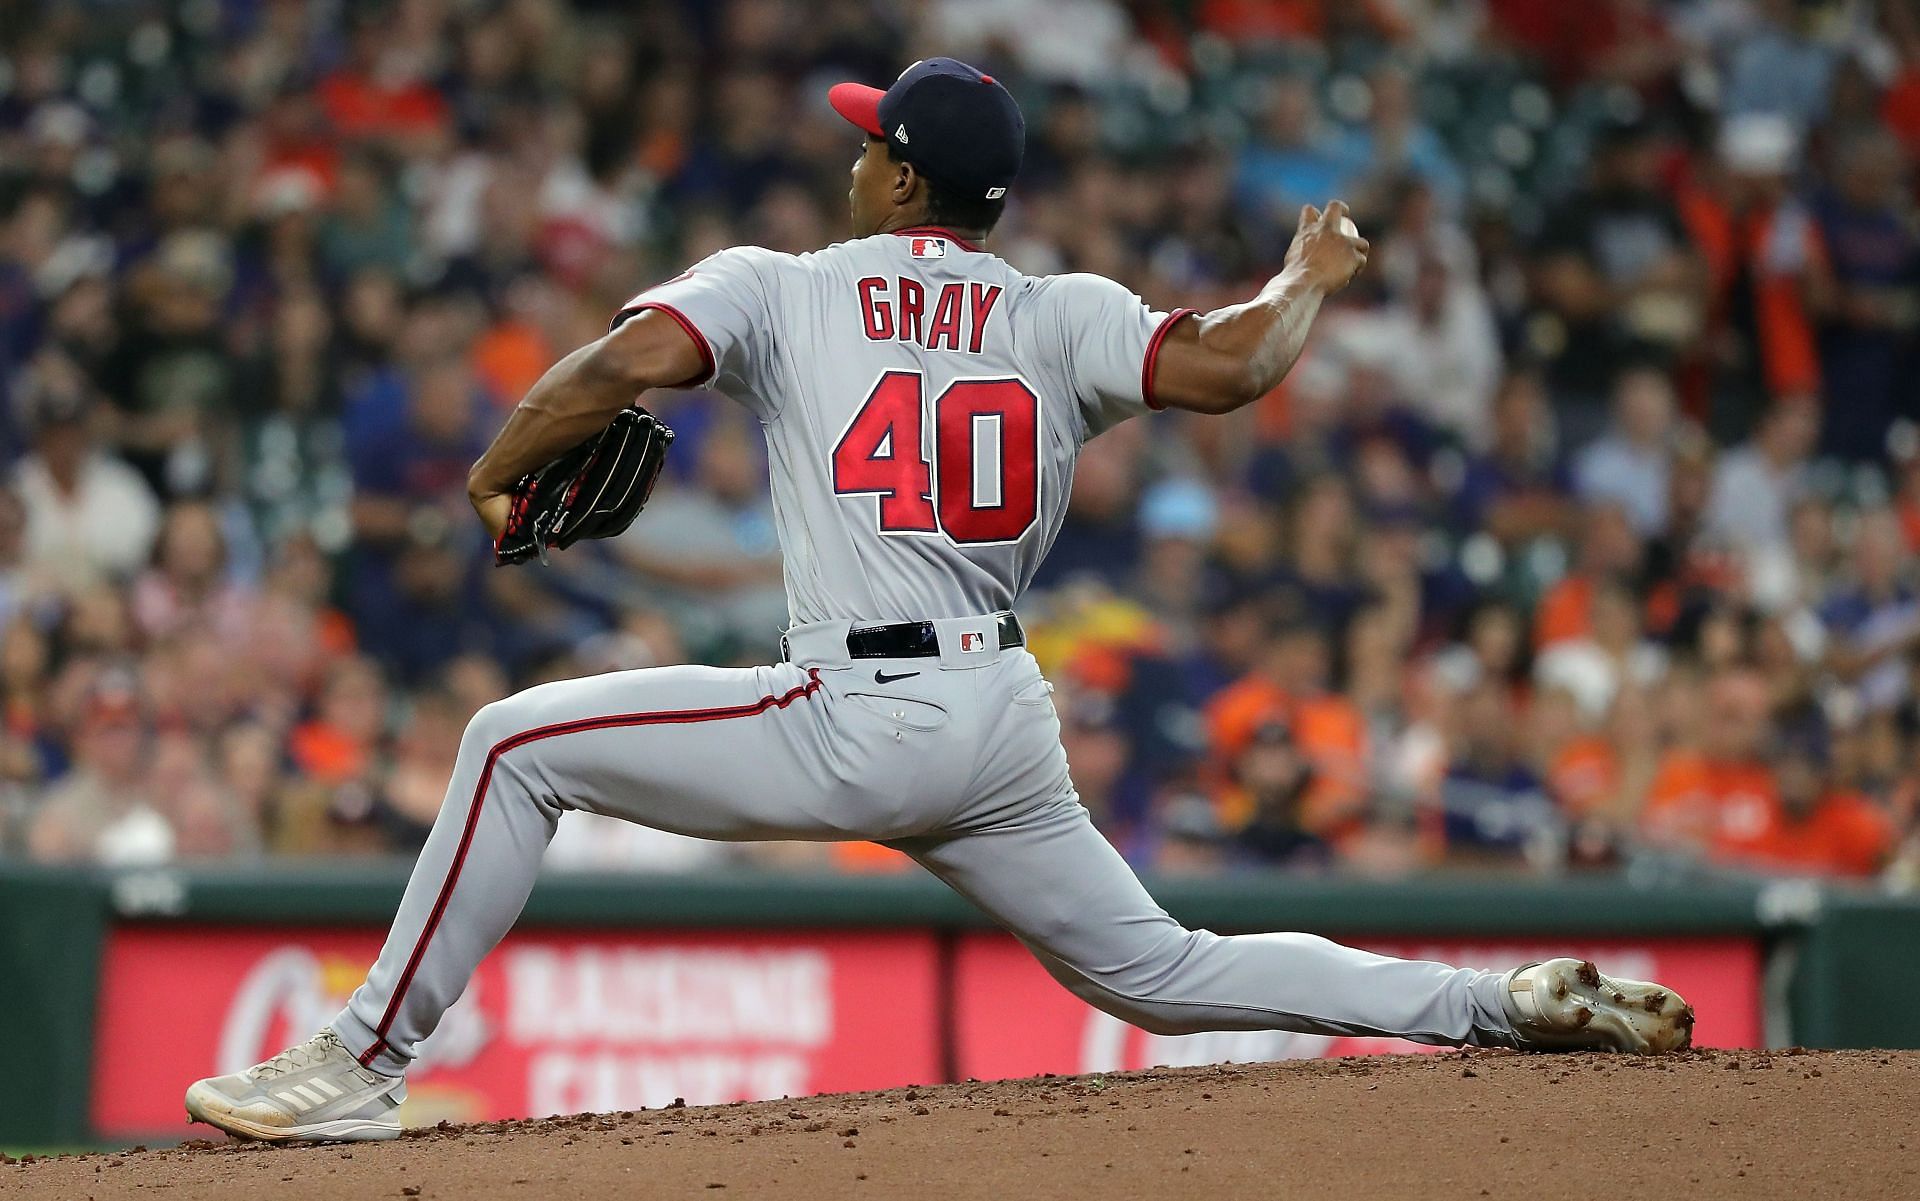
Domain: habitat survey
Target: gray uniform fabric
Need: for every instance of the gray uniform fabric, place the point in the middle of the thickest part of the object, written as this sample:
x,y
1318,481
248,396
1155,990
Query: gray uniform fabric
x,y
791,337
954,759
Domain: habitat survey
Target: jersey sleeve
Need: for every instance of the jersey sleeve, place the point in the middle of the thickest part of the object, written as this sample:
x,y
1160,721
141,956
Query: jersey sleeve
x,y
1109,339
724,304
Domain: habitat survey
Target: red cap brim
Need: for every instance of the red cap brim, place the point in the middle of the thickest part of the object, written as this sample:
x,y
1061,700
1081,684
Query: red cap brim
x,y
859,104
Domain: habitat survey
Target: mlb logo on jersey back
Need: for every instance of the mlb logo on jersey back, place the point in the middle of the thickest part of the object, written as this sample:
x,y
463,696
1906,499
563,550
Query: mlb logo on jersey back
x,y
971,641
929,248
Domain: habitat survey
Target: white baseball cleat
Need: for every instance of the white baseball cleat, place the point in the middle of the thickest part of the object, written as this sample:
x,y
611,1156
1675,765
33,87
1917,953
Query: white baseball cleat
x,y
316,1090
1567,1005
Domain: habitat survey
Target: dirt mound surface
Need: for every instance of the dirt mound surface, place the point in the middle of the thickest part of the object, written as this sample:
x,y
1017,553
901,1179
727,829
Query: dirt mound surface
x,y
1706,1124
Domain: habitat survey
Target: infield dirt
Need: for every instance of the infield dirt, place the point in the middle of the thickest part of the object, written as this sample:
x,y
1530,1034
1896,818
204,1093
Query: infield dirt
x,y
1704,1124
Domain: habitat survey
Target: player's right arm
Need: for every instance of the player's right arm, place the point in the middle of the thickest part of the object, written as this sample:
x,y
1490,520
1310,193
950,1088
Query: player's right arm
x,y
576,398
1233,356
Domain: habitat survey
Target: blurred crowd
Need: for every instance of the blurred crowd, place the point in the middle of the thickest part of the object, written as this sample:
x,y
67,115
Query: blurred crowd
x,y
1585,532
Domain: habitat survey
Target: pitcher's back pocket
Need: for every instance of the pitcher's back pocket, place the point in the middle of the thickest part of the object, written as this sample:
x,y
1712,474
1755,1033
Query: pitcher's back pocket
x,y
902,711
1037,693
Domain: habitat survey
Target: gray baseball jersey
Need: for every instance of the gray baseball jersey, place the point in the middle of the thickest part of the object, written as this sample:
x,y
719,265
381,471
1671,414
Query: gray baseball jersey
x,y
923,404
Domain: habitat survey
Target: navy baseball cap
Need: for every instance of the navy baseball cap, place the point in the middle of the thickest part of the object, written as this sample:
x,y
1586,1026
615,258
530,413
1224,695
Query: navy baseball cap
x,y
954,124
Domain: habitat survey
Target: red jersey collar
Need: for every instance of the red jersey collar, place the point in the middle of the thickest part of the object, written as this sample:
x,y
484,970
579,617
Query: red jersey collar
x,y
940,231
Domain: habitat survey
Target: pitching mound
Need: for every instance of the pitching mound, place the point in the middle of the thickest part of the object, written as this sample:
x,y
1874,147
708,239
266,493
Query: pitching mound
x,y
1707,1124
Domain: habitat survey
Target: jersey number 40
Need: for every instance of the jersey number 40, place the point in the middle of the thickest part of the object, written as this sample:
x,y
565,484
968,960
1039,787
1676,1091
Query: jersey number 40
x,y
985,472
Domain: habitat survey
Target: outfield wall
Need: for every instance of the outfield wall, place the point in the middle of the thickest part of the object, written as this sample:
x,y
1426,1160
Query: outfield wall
x,y
623,992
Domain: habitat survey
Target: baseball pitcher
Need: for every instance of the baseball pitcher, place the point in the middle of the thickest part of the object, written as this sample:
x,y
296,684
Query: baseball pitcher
x,y
923,405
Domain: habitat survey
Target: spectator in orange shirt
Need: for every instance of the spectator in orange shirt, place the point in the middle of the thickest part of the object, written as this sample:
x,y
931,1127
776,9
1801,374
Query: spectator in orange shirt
x,y
1599,777
1906,504
1817,827
1784,813
1609,550
1720,791
377,92
343,740
1276,779
1577,762
1291,684
517,349
1764,257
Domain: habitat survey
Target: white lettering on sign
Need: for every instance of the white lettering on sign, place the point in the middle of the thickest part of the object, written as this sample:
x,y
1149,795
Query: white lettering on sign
x,y
1108,1044
627,995
564,1082
294,990
283,985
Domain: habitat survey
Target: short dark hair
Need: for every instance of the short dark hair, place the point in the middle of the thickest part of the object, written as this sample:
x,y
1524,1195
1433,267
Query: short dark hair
x,y
946,207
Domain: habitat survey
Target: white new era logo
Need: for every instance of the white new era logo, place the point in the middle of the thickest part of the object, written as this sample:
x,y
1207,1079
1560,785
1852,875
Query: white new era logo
x,y
901,133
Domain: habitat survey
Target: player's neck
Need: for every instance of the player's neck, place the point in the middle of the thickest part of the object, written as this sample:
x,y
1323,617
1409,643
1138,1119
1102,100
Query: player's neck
x,y
902,222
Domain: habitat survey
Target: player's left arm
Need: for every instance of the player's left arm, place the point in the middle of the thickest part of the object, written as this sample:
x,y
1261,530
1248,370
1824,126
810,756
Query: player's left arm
x,y
575,399
1233,356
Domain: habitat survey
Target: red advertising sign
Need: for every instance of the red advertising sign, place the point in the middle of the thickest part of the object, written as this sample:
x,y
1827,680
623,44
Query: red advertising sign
x,y
1012,1019
553,1022
571,1022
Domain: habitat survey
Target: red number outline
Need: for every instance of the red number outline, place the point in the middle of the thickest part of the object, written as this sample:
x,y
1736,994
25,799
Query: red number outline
x,y
1009,453
1013,491
904,509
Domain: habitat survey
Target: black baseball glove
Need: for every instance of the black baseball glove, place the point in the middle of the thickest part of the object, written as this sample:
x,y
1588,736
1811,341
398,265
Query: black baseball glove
x,y
594,490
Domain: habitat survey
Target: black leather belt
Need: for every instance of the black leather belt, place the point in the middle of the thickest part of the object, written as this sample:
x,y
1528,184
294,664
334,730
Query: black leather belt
x,y
917,640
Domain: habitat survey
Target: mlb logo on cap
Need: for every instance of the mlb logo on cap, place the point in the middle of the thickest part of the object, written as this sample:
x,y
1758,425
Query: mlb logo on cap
x,y
971,641
929,248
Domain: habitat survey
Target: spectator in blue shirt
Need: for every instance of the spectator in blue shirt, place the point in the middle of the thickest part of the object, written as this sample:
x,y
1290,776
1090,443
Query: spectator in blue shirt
x,y
1874,623
1629,466
1295,160
415,579
1398,145
1873,250
1777,69
1519,489
1492,803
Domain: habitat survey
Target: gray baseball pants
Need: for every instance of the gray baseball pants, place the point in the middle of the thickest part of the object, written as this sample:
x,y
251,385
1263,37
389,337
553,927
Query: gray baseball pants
x,y
958,763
